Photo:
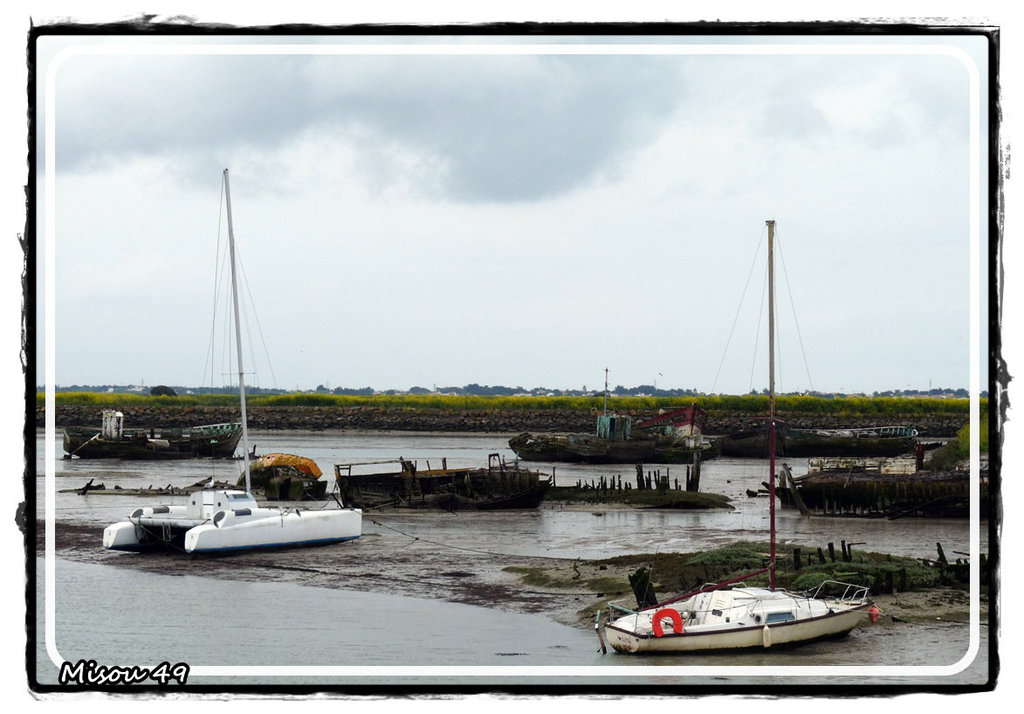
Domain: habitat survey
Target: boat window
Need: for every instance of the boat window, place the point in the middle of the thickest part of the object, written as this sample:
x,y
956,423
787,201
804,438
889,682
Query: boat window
x,y
778,617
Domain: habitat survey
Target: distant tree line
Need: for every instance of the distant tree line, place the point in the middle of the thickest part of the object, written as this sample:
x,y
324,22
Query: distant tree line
x,y
164,390
958,393
479,390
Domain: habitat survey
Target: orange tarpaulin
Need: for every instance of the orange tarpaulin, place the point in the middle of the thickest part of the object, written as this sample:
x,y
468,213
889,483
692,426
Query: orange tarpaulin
x,y
301,463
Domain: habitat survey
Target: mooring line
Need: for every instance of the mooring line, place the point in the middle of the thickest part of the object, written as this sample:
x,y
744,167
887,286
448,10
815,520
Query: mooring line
x,y
458,547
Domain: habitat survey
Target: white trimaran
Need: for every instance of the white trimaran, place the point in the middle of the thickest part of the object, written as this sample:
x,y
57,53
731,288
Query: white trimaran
x,y
718,617
220,520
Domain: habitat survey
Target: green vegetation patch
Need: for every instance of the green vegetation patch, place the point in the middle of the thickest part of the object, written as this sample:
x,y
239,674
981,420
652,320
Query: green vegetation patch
x,y
672,574
637,498
958,450
754,404
736,557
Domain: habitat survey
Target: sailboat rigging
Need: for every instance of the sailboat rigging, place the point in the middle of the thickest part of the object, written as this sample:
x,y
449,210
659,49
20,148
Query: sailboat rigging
x,y
221,520
238,333
720,617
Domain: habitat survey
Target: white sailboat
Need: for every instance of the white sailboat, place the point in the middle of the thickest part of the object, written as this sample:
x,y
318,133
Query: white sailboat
x,y
222,520
719,617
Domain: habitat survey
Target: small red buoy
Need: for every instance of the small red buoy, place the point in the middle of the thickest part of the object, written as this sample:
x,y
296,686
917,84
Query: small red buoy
x,y
873,613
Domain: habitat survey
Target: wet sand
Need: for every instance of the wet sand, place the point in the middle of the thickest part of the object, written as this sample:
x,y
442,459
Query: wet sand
x,y
381,562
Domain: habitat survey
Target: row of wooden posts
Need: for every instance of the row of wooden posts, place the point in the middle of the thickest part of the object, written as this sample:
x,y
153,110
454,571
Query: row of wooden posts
x,y
845,548
649,481
889,580
873,498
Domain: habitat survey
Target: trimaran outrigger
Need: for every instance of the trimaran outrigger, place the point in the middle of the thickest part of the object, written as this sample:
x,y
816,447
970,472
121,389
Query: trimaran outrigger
x,y
719,617
220,520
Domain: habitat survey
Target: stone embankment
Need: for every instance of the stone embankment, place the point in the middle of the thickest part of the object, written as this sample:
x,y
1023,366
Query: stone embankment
x,y
308,418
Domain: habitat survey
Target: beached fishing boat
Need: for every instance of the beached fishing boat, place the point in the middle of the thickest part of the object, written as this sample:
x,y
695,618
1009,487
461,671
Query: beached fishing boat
x,y
721,617
674,437
217,520
286,477
113,441
401,483
898,487
873,441
751,440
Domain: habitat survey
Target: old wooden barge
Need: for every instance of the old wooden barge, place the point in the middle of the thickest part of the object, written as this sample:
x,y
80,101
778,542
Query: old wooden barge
x,y
889,488
672,437
113,440
877,441
499,486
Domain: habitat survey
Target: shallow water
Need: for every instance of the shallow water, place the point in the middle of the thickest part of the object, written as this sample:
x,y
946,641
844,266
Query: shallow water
x,y
120,615
572,534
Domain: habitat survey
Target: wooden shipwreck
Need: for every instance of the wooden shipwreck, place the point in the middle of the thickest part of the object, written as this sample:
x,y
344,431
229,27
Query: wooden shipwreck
x,y
498,486
113,440
751,440
882,488
671,437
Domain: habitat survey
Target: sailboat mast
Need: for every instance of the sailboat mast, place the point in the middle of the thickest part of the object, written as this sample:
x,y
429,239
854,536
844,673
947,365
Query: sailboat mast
x,y
771,398
605,390
238,331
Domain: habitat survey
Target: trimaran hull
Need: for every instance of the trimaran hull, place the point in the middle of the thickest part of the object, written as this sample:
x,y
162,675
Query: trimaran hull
x,y
173,528
224,520
291,529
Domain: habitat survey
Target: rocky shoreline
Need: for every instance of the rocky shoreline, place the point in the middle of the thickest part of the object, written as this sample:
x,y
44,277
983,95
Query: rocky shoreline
x,y
502,421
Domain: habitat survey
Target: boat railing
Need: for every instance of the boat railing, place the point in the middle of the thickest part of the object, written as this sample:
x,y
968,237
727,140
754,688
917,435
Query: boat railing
x,y
225,428
716,608
820,465
705,588
882,431
844,592
622,608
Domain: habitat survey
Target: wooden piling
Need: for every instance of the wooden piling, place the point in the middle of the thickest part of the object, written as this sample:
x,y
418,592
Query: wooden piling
x,y
789,483
640,582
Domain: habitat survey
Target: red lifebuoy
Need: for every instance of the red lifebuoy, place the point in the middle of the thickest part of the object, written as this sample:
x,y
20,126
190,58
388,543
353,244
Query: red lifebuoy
x,y
873,613
677,621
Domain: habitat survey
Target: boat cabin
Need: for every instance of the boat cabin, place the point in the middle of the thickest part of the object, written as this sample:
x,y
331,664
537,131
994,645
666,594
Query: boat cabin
x,y
614,427
203,504
112,426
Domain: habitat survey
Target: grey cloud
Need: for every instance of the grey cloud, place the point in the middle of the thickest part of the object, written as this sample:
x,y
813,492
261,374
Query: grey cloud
x,y
507,129
111,108
503,128
919,91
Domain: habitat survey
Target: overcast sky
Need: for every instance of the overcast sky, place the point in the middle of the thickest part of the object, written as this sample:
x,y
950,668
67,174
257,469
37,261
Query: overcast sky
x,y
524,219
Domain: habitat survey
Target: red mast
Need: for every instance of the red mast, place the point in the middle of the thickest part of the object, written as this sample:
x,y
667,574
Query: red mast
x,y
771,397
